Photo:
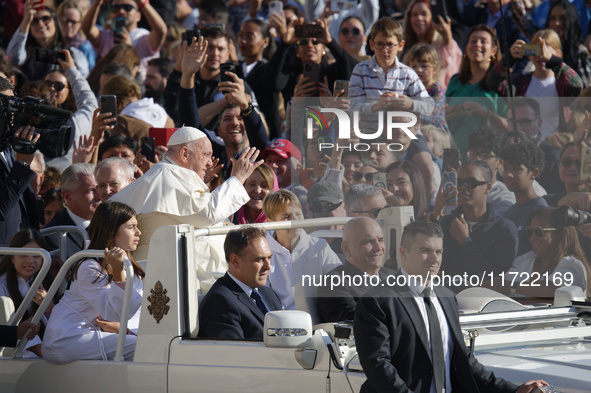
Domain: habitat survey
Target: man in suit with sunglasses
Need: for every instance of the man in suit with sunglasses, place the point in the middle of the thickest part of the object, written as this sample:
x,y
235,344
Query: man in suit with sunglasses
x,y
475,239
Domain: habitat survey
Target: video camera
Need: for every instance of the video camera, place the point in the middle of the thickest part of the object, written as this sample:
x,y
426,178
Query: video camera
x,y
53,142
566,216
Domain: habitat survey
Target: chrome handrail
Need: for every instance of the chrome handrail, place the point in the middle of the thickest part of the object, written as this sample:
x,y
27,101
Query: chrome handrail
x,y
18,353
16,317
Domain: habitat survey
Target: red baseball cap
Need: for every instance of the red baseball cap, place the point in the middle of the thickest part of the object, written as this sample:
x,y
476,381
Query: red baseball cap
x,y
284,148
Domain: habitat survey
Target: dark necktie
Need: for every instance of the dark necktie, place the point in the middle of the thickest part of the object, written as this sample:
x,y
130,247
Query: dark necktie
x,y
437,354
259,301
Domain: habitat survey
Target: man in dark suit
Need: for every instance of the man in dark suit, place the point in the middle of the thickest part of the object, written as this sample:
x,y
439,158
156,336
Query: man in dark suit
x,y
80,192
18,207
364,248
10,334
409,337
235,306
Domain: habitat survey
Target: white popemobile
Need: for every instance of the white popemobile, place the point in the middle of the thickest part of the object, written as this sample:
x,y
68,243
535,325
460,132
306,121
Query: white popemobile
x,y
517,343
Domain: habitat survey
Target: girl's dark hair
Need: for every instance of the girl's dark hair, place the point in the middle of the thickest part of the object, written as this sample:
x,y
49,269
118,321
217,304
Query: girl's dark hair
x,y
566,243
265,30
21,239
573,35
70,103
419,199
117,140
465,72
103,229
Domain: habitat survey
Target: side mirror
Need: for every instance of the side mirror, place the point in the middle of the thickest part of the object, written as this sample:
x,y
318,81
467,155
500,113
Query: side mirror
x,y
287,329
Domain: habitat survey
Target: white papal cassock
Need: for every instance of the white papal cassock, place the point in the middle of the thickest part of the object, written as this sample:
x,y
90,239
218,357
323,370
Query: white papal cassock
x,y
169,194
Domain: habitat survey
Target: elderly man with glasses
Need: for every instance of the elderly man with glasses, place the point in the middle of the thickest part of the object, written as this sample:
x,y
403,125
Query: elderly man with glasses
x,y
476,240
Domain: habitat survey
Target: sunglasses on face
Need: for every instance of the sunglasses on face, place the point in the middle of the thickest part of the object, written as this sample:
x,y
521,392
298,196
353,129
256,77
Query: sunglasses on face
x,y
472,155
118,7
58,86
525,122
373,212
470,183
567,162
355,31
305,42
322,208
369,177
45,19
539,231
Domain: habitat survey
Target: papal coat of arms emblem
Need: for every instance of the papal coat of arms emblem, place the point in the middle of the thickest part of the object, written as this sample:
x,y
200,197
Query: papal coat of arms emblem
x,y
158,300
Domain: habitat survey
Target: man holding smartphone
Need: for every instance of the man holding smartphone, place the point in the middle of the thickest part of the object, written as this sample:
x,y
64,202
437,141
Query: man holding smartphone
x,y
147,43
475,238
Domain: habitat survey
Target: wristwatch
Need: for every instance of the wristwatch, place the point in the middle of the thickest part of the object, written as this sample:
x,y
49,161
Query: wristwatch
x,y
248,110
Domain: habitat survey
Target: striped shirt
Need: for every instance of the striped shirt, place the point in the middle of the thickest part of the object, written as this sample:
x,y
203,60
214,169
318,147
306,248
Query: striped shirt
x,y
369,82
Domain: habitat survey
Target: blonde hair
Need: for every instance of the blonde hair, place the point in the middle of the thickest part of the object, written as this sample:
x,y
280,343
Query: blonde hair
x,y
124,88
274,202
550,36
439,136
424,53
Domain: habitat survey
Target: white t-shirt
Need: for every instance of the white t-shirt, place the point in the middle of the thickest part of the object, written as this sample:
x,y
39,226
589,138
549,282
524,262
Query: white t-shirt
x,y
568,264
544,91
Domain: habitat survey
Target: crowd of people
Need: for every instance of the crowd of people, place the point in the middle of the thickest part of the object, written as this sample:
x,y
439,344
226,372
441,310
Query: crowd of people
x,y
236,81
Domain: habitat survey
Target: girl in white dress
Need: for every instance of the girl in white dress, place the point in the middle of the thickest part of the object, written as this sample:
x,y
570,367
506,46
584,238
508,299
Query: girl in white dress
x,y
556,259
17,273
84,324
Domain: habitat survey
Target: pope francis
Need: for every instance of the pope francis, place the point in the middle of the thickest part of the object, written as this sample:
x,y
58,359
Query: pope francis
x,y
173,192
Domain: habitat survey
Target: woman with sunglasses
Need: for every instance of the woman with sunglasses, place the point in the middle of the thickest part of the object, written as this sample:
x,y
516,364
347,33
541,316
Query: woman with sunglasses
x,y
60,88
421,28
406,184
556,260
40,28
285,71
352,37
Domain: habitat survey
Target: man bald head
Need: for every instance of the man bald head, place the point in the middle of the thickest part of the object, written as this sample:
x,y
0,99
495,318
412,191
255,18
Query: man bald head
x,y
363,244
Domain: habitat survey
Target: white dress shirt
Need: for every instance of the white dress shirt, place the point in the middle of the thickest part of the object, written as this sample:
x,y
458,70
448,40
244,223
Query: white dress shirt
x,y
417,290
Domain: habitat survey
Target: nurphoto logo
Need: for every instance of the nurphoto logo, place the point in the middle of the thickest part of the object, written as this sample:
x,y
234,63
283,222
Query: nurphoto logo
x,y
395,120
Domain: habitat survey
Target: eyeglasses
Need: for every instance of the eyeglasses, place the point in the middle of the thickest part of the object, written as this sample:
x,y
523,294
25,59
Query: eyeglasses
x,y
472,155
523,122
470,183
45,19
355,31
58,86
322,208
118,7
381,45
539,231
369,177
373,212
70,22
305,42
567,162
